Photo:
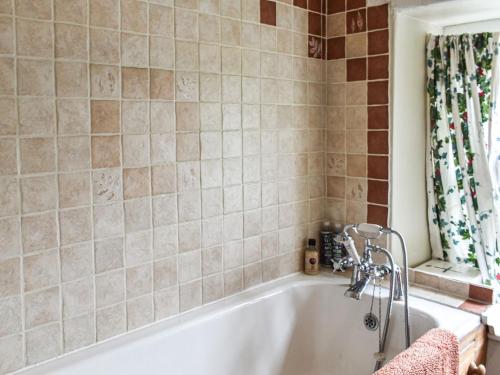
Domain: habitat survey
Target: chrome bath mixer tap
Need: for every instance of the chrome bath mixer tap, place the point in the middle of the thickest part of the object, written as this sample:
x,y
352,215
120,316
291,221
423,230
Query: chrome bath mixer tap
x,y
365,270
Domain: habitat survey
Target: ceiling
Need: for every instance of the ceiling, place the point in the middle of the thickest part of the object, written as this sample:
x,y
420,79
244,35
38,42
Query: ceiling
x,y
449,12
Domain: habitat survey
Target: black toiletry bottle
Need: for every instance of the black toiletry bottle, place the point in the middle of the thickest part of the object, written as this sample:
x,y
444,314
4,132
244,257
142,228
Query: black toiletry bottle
x,y
326,244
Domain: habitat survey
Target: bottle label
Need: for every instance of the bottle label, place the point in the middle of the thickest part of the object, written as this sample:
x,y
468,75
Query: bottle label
x,y
327,248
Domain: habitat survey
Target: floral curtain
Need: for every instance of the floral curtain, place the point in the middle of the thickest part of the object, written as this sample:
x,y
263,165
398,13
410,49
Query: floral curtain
x,y
463,195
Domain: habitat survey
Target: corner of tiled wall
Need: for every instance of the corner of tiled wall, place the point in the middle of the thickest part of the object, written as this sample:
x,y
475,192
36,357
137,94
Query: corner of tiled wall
x,y
357,152
154,156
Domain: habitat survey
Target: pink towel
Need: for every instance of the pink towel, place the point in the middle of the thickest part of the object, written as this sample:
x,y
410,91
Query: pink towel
x,y
435,353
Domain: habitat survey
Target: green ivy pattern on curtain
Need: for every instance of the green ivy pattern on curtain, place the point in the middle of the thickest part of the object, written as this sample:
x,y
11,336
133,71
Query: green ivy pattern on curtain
x,y
463,196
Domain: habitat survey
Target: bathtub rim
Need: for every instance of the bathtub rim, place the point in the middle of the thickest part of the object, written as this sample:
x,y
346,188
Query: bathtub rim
x,y
200,314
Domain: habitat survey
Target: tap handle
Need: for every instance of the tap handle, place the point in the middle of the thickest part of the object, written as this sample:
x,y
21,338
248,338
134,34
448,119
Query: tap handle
x,y
338,266
348,243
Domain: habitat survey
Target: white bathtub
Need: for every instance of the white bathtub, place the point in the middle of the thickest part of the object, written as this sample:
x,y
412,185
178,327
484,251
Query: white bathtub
x,y
295,326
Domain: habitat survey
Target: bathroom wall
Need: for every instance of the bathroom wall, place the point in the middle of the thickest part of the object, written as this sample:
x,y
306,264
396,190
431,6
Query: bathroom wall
x,y
409,194
357,158
156,156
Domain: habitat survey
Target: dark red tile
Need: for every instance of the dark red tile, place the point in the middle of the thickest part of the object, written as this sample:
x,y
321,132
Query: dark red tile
x,y
323,25
356,69
355,4
378,17
335,6
268,12
378,191
355,21
378,92
314,23
377,215
378,142
378,117
473,307
480,293
315,5
336,48
378,167
378,42
300,3
378,67
316,47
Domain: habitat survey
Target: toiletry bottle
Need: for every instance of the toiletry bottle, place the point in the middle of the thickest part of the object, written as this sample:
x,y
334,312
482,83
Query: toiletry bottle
x,y
311,258
326,244
338,245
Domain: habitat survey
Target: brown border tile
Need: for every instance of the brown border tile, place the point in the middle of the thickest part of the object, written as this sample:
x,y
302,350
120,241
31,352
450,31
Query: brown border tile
x,y
378,142
300,3
355,21
315,5
377,215
378,191
378,117
316,47
378,42
378,67
479,293
336,48
268,12
355,4
378,167
356,69
335,6
378,92
314,23
378,17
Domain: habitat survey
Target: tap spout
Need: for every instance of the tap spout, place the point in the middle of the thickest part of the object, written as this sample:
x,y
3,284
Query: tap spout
x,y
356,291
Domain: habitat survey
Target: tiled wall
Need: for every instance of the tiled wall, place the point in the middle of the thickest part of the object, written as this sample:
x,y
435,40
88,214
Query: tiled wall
x,y
153,157
357,159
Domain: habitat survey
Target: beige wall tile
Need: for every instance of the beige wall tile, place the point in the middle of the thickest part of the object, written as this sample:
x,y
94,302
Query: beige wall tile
x,y
109,288
139,280
73,116
39,232
111,321
34,9
39,272
186,24
134,16
190,295
105,116
104,46
34,38
161,52
43,343
108,254
10,277
42,307
10,315
71,42
136,183
8,158
105,81
108,221
77,297
73,153
135,83
105,151
71,80
9,237
34,77
140,312
104,13
36,116
75,225
134,50
166,302
9,196
71,11
78,332
107,185
161,20
7,35
162,84
38,193
9,119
